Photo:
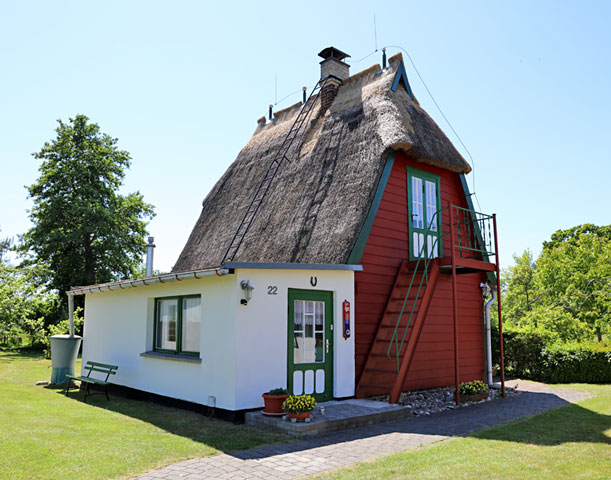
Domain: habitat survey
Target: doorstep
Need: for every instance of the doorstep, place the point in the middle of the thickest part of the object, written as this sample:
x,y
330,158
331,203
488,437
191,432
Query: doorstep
x,y
338,415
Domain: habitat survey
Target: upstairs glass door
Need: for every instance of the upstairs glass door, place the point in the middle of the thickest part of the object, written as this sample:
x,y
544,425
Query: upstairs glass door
x,y
425,223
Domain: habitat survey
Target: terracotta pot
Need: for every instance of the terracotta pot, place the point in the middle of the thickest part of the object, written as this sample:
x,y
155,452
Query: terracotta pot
x,y
473,398
273,403
300,417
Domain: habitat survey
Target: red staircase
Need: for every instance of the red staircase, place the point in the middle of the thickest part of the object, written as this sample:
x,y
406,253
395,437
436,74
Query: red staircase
x,y
386,368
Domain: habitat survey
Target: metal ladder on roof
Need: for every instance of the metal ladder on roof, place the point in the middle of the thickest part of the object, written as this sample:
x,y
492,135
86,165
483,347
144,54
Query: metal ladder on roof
x,y
272,171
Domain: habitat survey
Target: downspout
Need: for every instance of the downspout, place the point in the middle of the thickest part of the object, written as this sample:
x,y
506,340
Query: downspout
x,y
488,304
71,314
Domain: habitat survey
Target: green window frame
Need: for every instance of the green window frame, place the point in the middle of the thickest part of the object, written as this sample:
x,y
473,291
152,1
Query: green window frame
x,y
173,328
417,203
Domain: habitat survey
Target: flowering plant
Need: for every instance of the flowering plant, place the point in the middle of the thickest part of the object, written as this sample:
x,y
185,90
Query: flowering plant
x,y
299,404
472,388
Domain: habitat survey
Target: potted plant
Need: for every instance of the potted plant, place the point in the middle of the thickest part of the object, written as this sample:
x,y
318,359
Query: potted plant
x,y
299,407
273,401
473,391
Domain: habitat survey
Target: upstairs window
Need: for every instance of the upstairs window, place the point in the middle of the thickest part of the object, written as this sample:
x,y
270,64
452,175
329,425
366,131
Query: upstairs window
x,y
177,324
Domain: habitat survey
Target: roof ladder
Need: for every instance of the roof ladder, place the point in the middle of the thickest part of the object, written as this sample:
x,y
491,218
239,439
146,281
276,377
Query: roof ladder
x,y
272,171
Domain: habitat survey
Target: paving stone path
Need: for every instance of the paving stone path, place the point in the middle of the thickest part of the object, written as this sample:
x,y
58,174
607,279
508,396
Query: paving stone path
x,y
335,450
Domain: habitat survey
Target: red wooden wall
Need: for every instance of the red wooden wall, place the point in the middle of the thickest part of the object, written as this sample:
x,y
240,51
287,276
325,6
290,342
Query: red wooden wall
x,y
386,247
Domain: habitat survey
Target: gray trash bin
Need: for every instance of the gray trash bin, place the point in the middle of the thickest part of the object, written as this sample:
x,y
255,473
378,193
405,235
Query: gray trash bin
x,y
64,350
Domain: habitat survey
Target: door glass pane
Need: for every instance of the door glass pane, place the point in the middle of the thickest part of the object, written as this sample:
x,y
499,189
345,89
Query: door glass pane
x,y
308,332
431,205
190,324
167,323
417,218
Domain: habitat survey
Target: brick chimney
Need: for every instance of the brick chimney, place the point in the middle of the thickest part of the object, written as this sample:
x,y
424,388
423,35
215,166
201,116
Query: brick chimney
x,y
336,69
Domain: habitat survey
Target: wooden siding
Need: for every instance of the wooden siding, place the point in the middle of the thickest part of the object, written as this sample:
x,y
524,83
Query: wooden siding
x,y
387,245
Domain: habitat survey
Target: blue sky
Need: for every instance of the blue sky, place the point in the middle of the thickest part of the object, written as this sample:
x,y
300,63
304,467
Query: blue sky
x,y
181,84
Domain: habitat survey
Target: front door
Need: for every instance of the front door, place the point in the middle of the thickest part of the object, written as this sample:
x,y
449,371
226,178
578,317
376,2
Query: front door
x,y
425,217
310,343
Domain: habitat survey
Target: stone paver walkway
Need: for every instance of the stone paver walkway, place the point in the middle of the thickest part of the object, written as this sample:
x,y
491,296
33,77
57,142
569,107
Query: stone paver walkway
x,y
335,450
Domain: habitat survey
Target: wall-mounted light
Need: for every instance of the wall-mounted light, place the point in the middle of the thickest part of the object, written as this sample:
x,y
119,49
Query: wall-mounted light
x,y
486,290
247,289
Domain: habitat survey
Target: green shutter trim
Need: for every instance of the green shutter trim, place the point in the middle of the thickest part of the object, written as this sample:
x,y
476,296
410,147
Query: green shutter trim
x,y
491,276
361,241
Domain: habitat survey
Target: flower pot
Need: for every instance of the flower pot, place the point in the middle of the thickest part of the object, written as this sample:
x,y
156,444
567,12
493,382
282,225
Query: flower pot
x,y
473,398
300,417
273,404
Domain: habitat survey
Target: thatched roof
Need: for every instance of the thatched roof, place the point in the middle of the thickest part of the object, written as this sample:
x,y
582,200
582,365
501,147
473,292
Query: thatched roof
x,y
318,203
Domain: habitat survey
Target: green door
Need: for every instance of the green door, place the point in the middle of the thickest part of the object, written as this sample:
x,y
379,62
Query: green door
x,y
310,343
424,209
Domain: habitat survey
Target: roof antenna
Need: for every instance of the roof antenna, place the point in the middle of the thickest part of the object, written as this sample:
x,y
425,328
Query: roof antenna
x,y
384,58
276,89
375,32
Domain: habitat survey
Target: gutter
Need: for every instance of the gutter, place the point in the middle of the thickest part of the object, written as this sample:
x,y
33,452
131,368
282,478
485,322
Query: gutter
x,y
139,282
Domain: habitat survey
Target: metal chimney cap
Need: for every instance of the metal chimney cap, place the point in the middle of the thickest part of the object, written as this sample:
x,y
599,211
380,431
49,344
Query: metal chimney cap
x,y
332,52
151,241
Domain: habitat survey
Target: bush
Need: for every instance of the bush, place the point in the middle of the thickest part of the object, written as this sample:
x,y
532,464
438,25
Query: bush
x,y
576,363
278,391
537,354
472,388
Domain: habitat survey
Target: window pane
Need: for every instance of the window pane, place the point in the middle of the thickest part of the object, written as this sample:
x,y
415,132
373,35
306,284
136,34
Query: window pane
x,y
167,323
190,324
417,210
431,205
308,334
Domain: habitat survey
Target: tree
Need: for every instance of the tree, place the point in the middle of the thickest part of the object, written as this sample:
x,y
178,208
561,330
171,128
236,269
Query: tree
x,y
571,235
83,229
521,292
576,275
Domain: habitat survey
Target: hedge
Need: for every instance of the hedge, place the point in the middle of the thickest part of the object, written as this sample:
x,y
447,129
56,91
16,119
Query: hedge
x,y
535,355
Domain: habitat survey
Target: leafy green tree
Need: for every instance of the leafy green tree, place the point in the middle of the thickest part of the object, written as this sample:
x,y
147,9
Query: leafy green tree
x,y
571,235
83,228
521,290
576,276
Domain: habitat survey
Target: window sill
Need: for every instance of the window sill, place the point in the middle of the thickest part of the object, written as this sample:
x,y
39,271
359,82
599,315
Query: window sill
x,y
172,357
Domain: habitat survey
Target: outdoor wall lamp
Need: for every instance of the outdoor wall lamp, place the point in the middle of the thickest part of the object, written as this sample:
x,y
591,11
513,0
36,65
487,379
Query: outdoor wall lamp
x,y
247,289
486,290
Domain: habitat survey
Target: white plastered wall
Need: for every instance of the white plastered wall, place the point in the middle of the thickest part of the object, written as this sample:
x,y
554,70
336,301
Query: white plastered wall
x,y
262,328
243,347
119,327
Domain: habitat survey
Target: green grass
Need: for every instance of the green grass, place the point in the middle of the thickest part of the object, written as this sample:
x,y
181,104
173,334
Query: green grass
x,y
46,435
572,442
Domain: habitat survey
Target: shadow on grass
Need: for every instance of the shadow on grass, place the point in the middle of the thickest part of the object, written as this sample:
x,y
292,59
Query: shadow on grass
x,y
201,428
570,424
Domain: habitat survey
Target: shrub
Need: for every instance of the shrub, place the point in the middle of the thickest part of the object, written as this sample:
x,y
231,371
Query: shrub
x,y
299,404
472,388
576,363
537,354
278,391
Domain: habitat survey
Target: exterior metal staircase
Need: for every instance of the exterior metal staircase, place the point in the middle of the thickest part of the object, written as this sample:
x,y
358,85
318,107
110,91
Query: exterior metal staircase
x,y
296,131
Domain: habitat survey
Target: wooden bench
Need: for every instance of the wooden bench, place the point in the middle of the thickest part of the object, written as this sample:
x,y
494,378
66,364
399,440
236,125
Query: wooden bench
x,y
89,380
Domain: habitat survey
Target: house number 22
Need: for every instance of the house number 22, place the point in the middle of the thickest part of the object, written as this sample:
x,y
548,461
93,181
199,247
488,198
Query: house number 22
x,y
272,290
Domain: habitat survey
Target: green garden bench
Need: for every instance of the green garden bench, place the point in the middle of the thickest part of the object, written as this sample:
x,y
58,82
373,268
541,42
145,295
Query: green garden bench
x,y
89,380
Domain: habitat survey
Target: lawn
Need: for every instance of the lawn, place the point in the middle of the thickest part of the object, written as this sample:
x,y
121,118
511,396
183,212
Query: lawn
x,y
46,435
572,442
